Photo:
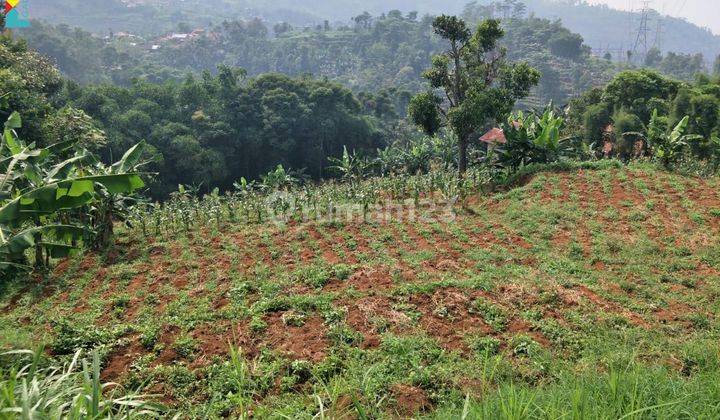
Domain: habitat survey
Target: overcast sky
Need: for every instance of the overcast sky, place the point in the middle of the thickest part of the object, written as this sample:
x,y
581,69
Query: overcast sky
x,y
702,12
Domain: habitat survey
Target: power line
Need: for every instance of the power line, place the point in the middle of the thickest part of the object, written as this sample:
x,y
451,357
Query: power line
x,y
643,30
682,6
659,32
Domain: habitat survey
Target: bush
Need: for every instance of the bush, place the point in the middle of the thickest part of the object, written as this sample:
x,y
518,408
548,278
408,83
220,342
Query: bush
x,y
492,314
566,44
595,119
484,345
71,337
627,126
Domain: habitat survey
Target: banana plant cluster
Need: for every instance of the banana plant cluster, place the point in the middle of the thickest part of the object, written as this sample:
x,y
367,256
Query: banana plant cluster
x,y
533,138
351,167
418,154
54,199
668,144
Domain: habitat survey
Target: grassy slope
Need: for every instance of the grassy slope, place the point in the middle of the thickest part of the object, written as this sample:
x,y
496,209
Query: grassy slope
x,y
571,287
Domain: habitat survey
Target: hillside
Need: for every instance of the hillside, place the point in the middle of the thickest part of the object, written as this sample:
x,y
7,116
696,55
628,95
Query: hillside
x,y
601,27
588,272
101,16
389,54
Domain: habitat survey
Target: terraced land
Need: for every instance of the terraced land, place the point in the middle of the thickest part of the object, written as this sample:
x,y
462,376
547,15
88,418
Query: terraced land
x,y
537,302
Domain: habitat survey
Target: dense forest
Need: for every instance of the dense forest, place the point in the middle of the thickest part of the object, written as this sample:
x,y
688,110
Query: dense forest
x,y
212,130
205,131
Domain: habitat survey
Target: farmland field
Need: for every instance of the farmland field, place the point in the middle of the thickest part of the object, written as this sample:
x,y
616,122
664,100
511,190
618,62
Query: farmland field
x,y
590,293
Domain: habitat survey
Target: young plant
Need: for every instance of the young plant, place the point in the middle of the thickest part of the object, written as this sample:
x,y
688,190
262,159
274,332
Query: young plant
x,y
73,391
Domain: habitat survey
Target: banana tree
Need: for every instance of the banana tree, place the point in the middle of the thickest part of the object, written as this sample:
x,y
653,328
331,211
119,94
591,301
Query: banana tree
x,y
54,239
280,179
548,137
533,139
44,197
113,204
667,146
350,167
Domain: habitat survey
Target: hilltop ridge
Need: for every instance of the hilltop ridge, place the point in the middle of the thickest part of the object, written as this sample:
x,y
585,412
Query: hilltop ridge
x,y
601,26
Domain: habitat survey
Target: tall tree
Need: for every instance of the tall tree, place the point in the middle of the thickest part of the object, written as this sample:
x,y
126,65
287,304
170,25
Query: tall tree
x,y
479,85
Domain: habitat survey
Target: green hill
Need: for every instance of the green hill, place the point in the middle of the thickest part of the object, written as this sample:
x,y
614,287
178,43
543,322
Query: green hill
x,y
601,26
589,291
604,27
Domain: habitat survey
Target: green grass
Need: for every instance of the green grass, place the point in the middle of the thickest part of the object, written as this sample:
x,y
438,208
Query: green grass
x,y
589,294
637,392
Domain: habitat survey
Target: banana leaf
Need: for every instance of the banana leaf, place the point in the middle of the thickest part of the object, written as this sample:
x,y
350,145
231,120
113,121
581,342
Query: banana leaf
x,y
62,169
4,265
11,141
17,243
130,160
59,250
65,195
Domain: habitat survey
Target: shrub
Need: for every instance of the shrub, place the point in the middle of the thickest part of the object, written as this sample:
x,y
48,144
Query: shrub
x,y
185,346
484,345
70,337
627,126
149,337
595,119
524,345
314,275
492,314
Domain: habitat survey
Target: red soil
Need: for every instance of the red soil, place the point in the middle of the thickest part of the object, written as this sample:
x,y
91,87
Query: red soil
x,y
409,400
307,342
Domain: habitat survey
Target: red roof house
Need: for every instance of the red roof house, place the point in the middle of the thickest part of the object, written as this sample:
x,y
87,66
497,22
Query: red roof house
x,y
494,136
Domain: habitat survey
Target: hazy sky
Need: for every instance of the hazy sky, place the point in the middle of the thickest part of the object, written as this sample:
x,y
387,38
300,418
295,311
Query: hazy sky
x,y
702,12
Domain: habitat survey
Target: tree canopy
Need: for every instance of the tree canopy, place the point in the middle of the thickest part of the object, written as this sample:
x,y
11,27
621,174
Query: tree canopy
x,y
212,130
478,83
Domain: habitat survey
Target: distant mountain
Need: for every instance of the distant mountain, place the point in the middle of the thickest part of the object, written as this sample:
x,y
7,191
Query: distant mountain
x,y
602,27
146,16
101,16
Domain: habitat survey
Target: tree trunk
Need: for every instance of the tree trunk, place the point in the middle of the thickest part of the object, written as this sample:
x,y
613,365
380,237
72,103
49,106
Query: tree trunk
x,y
108,228
462,162
39,259
37,238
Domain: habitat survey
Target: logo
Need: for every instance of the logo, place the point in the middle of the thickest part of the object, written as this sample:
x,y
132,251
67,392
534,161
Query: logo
x,y
16,14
